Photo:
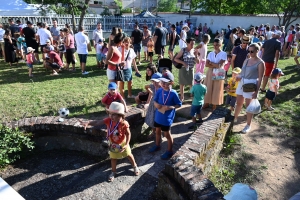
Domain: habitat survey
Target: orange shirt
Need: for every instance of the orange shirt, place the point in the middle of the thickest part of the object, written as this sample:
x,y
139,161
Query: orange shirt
x,y
119,134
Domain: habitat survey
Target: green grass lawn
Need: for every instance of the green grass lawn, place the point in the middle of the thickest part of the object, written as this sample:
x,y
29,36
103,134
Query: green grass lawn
x,y
43,94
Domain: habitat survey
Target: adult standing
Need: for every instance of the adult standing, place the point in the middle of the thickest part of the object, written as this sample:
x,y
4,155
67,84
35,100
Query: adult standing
x,y
160,40
270,54
114,57
252,72
2,32
215,88
231,41
43,36
129,55
146,37
114,32
10,54
70,49
97,34
240,53
55,30
238,41
183,36
14,28
30,39
173,35
227,37
186,73
82,41
137,37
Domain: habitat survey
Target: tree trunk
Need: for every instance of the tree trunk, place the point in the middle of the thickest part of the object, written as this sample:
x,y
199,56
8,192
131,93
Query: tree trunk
x,y
83,12
73,18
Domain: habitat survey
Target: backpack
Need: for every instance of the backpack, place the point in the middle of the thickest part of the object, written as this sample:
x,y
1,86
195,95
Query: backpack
x,y
178,65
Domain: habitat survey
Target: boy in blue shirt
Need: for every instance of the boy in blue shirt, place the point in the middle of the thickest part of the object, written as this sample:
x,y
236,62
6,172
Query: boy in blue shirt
x,y
198,92
166,100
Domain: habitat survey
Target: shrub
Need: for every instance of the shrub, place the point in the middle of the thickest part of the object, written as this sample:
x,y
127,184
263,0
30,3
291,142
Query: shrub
x,y
12,143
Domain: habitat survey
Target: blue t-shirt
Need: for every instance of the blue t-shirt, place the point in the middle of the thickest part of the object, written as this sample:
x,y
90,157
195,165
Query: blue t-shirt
x,y
198,91
167,118
255,40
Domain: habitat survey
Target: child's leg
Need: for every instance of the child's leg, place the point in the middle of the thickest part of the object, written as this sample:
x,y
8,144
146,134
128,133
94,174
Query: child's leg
x,y
151,60
113,165
30,71
266,102
158,136
269,103
199,117
129,88
132,161
170,139
121,88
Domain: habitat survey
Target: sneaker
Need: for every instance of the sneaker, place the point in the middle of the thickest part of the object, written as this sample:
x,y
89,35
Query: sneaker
x,y
130,96
199,121
246,129
154,148
270,108
235,120
85,73
167,155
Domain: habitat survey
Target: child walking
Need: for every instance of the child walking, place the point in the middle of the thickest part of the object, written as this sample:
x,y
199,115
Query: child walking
x,y
99,52
112,95
104,51
273,88
231,88
150,48
202,53
198,92
29,60
166,100
118,136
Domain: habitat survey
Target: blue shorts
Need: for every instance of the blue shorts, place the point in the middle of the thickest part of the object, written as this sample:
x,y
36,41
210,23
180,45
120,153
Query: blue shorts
x,y
230,100
99,56
195,110
29,65
82,58
127,74
137,47
270,95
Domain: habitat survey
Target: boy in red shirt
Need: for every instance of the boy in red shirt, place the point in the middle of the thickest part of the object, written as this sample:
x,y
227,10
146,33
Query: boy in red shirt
x,y
112,95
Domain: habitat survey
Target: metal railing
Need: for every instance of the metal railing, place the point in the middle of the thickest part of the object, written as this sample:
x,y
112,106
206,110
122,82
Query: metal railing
x,y
90,21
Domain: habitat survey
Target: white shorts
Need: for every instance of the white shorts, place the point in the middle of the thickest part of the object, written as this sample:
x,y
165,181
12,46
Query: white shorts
x,y
110,74
145,48
239,89
298,55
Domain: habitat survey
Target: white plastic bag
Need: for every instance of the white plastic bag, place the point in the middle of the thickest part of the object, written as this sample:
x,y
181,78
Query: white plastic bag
x,y
254,107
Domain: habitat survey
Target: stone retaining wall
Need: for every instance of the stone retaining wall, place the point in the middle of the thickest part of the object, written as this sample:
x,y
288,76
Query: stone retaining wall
x,y
184,174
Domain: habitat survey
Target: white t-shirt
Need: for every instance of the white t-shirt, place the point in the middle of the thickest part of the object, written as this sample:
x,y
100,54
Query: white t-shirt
x,y
44,35
269,35
216,58
131,57
98,48
82,41
2,31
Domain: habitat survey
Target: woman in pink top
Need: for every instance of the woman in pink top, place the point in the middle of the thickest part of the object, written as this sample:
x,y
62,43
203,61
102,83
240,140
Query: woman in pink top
x,y
202,52
115,58
70,48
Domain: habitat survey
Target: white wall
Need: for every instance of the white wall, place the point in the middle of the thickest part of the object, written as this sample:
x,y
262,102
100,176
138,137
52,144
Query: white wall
x,y
221,22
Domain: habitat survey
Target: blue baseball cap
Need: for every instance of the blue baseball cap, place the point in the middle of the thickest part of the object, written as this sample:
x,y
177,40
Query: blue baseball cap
x,y
156,76
112,86
277,71
100,40
167,77
198,76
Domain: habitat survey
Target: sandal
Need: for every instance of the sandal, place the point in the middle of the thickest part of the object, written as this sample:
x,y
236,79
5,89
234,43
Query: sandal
x,y
111,177
136,170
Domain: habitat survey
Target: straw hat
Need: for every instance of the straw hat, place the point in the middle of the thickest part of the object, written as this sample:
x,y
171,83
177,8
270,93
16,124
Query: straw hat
x,y
236,70
246,38
30,49
117,108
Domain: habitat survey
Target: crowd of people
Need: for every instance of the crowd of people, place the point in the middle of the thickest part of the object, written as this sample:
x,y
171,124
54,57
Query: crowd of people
x,y
252,55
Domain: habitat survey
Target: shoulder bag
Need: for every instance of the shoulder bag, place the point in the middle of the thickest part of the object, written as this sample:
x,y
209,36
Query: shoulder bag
x,y
248,87
176,64
119,70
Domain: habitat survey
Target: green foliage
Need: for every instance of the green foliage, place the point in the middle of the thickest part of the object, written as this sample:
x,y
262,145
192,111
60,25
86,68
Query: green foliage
x,y
106,12
167,5
126,10
119,3
12,143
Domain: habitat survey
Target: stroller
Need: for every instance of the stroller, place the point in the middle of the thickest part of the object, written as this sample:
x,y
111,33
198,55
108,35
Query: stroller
x,y
164,63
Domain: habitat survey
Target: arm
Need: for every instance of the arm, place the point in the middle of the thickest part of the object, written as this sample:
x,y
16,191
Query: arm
x,y
147,87
232,61
199,46
214,65
174,37
94,39
91,123
261,72
179,55
128,138
262,53
109,56
157,105
276,58
134,66
67,40
154,39
124,103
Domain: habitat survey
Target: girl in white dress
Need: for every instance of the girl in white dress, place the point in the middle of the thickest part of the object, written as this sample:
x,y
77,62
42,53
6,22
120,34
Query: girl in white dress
x,y
183,36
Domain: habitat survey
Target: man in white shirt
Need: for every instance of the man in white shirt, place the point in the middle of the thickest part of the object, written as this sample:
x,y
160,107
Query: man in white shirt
x,y
82,42
2,31
55,30
97,34
44,35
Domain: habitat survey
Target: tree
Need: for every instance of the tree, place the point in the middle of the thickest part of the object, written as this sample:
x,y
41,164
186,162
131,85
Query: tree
x,y
167,6
73,7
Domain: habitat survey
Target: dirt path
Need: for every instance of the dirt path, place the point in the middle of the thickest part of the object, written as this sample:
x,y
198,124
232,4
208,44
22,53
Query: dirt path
x,y
274,160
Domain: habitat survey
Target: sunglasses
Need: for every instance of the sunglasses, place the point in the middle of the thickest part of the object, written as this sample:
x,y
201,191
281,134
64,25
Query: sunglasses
x,y
251,51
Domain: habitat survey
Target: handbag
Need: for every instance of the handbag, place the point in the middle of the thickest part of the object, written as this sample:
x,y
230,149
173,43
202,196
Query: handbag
x,y
176,64
120,72
249,87
218,74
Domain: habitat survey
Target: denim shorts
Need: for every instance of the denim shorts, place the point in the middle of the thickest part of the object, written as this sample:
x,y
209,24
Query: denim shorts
x,y
270,95
195,109
137,47
29,65
230,100
82,58
99,56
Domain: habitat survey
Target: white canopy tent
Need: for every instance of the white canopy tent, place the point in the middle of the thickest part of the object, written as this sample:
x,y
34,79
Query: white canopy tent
x,y
17,8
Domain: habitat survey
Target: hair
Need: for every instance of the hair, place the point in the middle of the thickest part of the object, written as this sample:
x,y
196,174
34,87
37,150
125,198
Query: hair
x,y
54,20
119,38
7,32
98,23
217,40
206,38
114,31
242,31
259,44
38,24
153,68
255,45
234,30
128,39
229,56
145,26
159,23
262,38
292,26
268,28
44,25
273,76
255,34
297,28
190,39
173,26
80,28
17,35
67,25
